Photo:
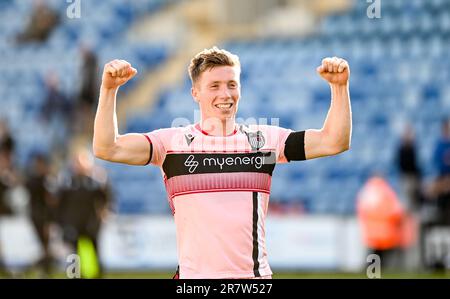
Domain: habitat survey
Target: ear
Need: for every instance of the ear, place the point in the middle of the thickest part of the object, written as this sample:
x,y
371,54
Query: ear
x,y
194,93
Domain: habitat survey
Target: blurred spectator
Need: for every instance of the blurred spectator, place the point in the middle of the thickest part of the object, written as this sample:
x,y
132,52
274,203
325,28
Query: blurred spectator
x,y
439,198
43,206
410,176
56,113
88,93
8,174
84,201
8,179
7,143
42,21
4,208
57,104
382,219
409,170
89,78
441,187
442,150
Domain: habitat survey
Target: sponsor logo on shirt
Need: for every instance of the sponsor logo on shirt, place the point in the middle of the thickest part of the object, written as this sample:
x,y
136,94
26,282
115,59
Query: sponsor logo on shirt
x,y
192,164
195,163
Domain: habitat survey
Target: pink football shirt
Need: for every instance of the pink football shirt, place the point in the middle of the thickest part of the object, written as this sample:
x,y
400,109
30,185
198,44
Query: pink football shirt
x,y
218,189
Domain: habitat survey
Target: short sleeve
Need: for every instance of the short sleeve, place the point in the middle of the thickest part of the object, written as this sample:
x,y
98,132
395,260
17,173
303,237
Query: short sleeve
x,y
157,149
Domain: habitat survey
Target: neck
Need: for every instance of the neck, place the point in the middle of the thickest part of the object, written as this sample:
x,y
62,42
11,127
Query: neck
x,y
220,127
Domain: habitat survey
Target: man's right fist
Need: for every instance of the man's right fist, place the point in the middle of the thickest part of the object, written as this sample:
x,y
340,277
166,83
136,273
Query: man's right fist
x,y
117,73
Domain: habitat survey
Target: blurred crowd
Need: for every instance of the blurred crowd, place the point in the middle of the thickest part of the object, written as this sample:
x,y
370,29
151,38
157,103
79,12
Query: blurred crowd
x,y
40,24
74,199
396,225
65,190
71,115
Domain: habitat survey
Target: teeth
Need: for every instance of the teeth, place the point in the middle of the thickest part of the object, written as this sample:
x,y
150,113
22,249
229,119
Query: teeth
x,y
223,105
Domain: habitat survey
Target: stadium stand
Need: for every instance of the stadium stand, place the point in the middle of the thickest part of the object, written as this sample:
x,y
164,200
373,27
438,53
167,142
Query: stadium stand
x,y
405,50
25,66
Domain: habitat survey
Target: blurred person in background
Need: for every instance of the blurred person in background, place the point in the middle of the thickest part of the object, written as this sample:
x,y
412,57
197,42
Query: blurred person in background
x,y
7,142
43,205
84,199
442,150
9,177
439,196
88,93
440,190
410,178
56,113
4,207
41,23
382,219
409,170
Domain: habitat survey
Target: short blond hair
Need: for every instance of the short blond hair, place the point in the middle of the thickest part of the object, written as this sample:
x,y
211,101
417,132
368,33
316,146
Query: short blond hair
x,y
210,58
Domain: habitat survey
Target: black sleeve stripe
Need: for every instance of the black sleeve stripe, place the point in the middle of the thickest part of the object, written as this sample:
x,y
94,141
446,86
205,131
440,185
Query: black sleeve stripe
x,y
151,149
294,147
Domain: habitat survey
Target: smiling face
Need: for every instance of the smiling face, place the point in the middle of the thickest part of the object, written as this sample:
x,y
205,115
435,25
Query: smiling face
x,y
217,90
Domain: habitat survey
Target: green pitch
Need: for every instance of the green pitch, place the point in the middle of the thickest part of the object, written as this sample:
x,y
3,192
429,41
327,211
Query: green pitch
x,y
277,275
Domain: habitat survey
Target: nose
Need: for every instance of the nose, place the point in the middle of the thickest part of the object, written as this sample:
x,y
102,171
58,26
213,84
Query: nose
x,y
225,93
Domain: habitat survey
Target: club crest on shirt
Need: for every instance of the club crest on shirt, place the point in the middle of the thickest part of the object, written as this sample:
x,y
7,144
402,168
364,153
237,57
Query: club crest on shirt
x,y
256,139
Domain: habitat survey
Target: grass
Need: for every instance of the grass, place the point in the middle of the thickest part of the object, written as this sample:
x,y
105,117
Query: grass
x,y
277,275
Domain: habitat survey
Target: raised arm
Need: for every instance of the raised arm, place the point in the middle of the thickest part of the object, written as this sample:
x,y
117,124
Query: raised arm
x,y
107,143
335,135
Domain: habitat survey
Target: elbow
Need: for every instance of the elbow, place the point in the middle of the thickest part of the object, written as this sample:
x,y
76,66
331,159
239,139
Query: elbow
x,y
102,153
99,153
345,148
341,147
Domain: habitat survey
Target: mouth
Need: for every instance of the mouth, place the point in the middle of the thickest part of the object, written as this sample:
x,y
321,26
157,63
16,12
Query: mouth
x,y
224,106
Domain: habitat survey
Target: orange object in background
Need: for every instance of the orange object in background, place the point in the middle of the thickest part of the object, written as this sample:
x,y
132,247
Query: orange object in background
x,y
381,215
409,231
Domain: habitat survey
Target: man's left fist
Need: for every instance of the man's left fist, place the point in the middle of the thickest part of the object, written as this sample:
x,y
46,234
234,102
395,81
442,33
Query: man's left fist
x,y
334,70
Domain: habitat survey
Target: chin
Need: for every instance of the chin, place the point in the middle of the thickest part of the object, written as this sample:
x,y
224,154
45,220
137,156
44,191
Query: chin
x,y
227,116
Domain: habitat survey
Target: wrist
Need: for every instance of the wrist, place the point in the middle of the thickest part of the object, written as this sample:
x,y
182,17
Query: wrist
x,y
107,89
338,86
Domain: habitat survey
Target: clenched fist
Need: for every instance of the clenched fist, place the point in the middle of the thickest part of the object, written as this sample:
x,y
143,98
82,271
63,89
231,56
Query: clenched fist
x,y
117,73
334,70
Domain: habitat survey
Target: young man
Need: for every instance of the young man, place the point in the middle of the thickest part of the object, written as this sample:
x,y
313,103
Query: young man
x,y
217,173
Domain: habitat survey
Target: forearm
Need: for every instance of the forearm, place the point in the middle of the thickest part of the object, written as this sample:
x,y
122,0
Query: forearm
x,y
105,124
338,124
